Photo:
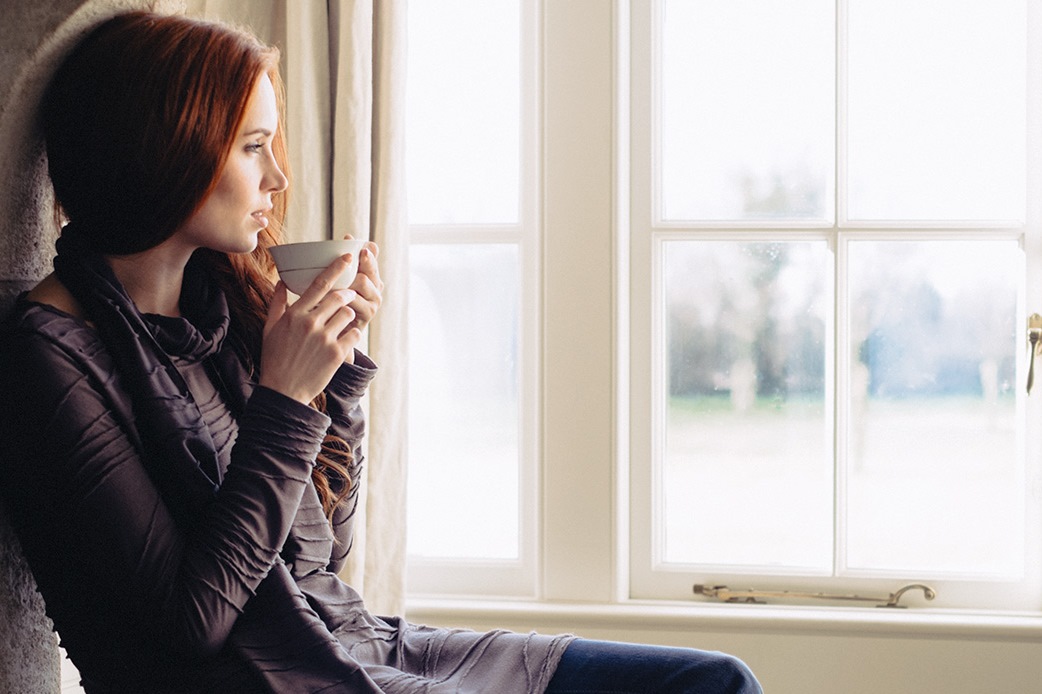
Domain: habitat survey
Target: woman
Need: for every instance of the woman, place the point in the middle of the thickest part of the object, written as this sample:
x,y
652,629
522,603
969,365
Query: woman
x,y
181,441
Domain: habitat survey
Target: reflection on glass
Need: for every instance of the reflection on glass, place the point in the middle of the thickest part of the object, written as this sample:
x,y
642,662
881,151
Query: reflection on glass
x,y
463,112
937,104
463,401
747,109
747,473
932,479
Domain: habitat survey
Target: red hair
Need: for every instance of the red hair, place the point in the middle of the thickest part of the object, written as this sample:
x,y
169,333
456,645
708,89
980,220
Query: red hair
x,y
138,122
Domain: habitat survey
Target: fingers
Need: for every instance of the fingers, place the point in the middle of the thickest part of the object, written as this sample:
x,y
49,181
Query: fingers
x,y
348,295
366,288
321,286
368,284
339,329
307,340
329,313
327,308
349,339
367,258
367,263
366,306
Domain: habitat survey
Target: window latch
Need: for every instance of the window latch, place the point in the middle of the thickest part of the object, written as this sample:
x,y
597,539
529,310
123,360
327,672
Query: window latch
x,y
1034,344
725,594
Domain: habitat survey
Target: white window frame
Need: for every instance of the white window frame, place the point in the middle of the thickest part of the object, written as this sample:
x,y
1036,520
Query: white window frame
x,y
652,579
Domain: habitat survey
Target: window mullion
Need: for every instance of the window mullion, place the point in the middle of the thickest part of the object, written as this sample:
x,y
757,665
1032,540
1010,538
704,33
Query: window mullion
x,y
642,376
840,348
577,301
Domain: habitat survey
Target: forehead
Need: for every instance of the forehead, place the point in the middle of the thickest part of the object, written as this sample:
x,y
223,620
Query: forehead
x,y
261,109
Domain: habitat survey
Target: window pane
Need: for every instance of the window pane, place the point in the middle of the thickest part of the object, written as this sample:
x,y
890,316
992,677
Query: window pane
x,y
934,481
937,109
463,401
747,109
747,476
463,112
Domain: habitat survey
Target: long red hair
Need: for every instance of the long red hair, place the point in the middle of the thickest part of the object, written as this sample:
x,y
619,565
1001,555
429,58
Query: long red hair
x,y
139,121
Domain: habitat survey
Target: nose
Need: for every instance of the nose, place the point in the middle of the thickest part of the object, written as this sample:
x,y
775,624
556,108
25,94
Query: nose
x,y
274,180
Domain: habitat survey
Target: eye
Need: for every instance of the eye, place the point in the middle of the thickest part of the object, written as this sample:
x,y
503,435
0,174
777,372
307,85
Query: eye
x,y
255,147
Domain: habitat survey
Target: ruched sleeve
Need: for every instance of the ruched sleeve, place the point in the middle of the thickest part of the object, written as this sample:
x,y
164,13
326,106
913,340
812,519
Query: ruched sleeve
x,y
344,405
79,494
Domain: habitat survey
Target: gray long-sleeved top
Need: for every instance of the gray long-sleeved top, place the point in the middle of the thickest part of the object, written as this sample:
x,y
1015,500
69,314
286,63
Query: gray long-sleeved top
x,y
142,604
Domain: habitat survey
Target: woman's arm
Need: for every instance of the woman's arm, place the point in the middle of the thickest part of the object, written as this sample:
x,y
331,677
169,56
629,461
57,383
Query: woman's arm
x,y
344,406
93,523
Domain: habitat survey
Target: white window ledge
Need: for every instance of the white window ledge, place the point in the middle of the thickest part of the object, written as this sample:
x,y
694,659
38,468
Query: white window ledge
x,y
568,616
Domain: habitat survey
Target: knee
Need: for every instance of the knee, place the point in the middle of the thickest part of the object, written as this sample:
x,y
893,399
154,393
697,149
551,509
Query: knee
x,y
735,676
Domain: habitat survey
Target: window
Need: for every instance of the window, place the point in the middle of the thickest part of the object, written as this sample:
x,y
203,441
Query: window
x,y
830,233
473,297
737,296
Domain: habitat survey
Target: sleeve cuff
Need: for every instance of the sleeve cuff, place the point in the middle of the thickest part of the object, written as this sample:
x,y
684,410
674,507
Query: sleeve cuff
x,y
351,380
291,417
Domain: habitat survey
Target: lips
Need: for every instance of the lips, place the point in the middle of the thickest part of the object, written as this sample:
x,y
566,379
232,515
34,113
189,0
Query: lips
x,y
261,216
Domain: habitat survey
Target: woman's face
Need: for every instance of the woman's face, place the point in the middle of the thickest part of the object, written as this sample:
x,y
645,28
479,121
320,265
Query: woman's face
x,y
232,216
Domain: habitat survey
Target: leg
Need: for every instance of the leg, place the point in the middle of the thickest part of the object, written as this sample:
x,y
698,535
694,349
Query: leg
x,y
606,667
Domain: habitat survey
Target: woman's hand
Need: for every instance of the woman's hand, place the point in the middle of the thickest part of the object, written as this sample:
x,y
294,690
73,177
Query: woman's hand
x,y
306,342
367,286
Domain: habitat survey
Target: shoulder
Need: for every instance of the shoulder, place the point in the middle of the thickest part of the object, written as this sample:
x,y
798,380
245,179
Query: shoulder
x,y
48,313
44,337
53,368
51,292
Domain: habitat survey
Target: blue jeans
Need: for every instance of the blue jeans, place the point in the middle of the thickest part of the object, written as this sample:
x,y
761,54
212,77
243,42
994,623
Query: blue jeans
x,y
607,667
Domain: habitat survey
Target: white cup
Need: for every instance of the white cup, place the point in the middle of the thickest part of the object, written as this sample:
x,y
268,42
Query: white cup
x,y
299,263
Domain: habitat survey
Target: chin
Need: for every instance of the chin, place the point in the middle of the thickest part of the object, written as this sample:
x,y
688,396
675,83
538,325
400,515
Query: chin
x,y
249,244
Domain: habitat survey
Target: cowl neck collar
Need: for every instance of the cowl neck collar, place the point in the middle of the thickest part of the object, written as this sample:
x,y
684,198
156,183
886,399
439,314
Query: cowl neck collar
x,y
200,331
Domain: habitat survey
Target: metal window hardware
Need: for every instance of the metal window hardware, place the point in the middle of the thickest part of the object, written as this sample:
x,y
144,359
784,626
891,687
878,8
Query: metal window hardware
x,y
725,594
1035,345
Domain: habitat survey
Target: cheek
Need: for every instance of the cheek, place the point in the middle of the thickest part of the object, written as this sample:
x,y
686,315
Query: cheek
x,y
228,200
233,187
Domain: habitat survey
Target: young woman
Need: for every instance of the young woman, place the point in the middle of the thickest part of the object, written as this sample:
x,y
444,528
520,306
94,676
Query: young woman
x,y
180,442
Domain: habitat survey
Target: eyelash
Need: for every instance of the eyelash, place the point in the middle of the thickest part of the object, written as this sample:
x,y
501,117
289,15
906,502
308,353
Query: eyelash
x,y
255,147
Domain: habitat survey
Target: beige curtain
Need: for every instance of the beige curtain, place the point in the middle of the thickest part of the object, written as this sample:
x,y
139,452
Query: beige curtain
x,y
344,68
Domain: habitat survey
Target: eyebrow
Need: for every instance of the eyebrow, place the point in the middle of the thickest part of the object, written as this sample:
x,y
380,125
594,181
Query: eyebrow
x,y
258,131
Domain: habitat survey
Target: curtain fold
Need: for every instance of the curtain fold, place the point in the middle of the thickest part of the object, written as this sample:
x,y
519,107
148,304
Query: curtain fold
x,y
385,518
344,67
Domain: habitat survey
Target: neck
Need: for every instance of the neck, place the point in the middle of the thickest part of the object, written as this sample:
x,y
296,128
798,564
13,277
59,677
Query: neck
x,y
153,278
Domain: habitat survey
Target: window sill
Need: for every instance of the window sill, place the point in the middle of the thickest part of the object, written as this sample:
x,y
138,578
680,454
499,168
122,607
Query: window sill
x,y
783,619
